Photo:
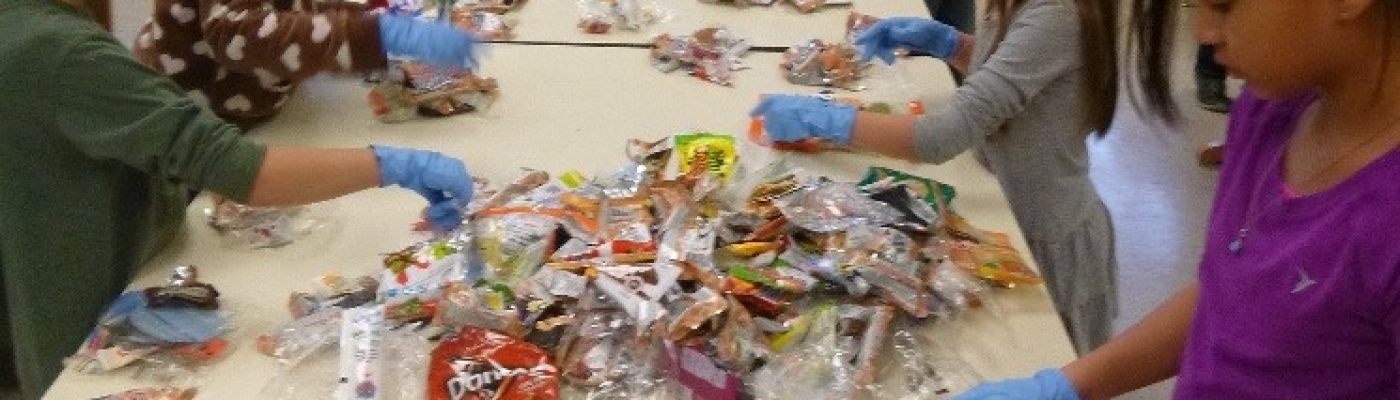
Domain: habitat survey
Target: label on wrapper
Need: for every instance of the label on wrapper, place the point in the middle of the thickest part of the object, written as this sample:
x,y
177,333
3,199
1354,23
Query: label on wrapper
x,y
479,364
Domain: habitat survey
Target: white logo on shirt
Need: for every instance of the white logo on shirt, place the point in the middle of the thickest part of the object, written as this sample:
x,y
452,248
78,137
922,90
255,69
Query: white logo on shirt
x,y
1304,281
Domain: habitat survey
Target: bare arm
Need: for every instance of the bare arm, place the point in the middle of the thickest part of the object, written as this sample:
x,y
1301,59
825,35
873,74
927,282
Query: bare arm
x,y
300,175
962,57
1147,353
891,135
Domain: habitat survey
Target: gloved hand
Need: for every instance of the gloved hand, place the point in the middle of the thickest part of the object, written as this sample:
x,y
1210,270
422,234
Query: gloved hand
x,y
921,34
792,118
1048,384
440,45
442,180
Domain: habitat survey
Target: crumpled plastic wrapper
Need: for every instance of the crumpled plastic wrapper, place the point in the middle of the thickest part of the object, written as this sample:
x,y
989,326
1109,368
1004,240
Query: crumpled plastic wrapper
x,y
600,16
404,351
153,394
487,25
250,227
916,372
167,332
712,54
818,368
817,63
832,206
809,6
411,89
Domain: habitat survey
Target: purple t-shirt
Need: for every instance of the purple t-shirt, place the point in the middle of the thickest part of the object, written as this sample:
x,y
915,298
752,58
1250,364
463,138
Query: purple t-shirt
x,y
1309,307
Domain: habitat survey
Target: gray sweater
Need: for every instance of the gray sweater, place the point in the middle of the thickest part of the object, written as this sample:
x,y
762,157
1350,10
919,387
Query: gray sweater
x,y
1018,108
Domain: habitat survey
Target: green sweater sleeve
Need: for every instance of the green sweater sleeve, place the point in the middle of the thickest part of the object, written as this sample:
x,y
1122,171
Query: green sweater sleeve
x,y
113,108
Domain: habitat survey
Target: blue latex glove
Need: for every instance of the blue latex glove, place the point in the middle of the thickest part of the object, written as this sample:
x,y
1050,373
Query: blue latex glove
x,y
442,180
792,118
921,34
1048,384
437,44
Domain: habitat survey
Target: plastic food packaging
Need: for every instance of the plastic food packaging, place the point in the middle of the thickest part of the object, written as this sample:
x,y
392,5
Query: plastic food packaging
x,y
739,3
808,6
249,227
163,334
486,24
300,338
512,245
361,354
932,192
404,352
817,63
687,272
915,371
995,261
817,368
477,364
831,206
413,278
712,54
412,89
153,394
700,377
600,16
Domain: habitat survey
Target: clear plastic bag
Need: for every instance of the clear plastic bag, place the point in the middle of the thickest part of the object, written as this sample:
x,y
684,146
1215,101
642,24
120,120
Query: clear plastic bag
x,y
817,368
917,371
405,353
600,16
168,393
512,245
830,206
817,63
163,345
712,54
248,227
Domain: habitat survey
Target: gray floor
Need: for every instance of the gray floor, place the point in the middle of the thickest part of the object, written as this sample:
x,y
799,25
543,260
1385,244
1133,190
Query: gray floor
x,y
1146,172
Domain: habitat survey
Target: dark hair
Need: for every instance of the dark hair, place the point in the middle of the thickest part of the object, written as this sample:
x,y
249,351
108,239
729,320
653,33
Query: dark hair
x,y
1150,42
1098,42
1151,27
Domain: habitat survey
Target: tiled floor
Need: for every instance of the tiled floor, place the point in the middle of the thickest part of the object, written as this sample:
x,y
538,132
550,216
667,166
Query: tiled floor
x,y
1146,172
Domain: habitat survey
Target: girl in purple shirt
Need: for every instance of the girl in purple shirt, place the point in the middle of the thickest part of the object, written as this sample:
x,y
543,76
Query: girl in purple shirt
x,y
1298,294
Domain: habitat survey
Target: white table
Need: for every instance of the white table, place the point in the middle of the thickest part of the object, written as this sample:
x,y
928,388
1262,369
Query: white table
x,y
555,120
779,25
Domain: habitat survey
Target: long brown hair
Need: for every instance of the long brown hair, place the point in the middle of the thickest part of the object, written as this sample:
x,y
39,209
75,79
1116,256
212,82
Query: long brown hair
x,y
1098,43
1150,31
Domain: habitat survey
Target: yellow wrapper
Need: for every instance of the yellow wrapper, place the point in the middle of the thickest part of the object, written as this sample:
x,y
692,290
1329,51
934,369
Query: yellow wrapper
x,y
712,151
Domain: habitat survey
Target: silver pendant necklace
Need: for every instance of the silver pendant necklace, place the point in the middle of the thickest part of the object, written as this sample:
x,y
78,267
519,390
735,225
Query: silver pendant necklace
x,y
1250,218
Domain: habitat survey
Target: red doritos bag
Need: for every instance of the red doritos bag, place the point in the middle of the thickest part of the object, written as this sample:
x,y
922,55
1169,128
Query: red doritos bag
x,y
479,364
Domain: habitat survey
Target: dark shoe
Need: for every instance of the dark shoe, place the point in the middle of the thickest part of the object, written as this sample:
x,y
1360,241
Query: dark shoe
x,y
1211,94
1211,155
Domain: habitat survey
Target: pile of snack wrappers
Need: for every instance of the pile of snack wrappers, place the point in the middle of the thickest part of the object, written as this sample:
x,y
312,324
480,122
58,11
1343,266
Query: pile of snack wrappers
x,y
690,272
166,331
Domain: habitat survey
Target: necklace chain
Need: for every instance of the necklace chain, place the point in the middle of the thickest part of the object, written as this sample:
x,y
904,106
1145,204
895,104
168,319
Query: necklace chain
x,y
1250,218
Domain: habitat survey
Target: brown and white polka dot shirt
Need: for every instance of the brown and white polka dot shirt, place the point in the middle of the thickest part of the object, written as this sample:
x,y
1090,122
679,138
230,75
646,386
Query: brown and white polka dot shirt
x,y
243,57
